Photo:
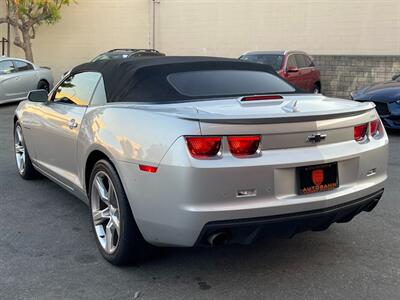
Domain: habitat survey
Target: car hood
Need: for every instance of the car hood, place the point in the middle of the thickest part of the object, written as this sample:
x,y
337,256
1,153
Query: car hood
x,y
388,91
289,109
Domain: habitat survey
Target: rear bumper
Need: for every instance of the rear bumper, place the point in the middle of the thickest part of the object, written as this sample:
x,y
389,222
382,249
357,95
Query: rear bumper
x,y
173,205
246,231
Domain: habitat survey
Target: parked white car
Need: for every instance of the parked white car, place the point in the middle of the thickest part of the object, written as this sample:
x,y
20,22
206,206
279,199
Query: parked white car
x,y
18,77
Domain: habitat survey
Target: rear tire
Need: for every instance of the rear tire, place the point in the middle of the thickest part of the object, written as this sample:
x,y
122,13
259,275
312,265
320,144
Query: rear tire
x,y
317,89
22,158
117,234
44,85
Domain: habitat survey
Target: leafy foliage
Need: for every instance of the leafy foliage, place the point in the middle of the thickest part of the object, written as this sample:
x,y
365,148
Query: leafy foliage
x,y
25,15
38,11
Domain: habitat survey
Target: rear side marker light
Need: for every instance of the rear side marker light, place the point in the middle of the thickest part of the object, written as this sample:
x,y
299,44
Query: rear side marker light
x,y
204,147
375,128
244,145
259,98
149,169
360,132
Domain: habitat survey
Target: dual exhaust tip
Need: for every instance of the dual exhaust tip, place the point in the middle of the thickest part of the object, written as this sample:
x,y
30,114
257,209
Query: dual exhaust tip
x,y
219,238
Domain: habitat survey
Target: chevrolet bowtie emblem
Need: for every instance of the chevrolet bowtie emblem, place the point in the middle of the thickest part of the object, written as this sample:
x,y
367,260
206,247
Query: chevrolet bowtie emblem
x,y
316,138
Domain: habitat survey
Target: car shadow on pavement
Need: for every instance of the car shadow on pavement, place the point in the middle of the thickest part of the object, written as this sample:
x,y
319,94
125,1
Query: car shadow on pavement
x,y
395,132
9,104
272,254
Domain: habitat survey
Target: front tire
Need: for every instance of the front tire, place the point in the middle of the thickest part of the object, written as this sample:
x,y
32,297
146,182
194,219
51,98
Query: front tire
x,y
22,158
117,235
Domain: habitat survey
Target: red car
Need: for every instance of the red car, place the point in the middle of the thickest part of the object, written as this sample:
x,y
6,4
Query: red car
x,y
294,66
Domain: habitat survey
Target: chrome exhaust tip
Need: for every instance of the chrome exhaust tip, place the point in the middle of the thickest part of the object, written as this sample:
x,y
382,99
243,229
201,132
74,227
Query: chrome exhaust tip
x,y
219,238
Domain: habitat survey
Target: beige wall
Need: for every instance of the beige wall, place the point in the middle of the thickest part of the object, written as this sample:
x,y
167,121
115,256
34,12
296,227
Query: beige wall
x,y
231,27
219,27
88,28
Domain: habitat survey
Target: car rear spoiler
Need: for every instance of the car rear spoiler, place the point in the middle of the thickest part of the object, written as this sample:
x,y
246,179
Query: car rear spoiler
x,y
281,118
196,114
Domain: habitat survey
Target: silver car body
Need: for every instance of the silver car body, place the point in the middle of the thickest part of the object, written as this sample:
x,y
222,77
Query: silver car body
x,y
172,206
16,85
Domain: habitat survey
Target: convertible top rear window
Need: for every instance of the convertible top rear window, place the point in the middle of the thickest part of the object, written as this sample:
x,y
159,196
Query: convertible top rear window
x,y
215,83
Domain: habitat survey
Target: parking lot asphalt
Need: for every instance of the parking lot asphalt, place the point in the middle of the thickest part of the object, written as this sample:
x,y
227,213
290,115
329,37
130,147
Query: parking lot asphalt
x,y
47,251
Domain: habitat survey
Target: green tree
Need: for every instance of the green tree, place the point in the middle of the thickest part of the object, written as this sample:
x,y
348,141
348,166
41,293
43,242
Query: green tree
x,y
24,16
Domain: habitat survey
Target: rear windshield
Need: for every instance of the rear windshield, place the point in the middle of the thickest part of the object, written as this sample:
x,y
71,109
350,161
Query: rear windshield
x,y
217,83
273,60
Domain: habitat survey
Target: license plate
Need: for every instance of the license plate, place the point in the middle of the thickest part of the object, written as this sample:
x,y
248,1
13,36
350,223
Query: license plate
x,y
317,178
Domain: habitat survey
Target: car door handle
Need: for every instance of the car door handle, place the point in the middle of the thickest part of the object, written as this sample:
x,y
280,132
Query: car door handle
x,y
72,124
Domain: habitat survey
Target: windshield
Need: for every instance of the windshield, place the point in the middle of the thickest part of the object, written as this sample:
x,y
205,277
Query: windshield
x,y
273,60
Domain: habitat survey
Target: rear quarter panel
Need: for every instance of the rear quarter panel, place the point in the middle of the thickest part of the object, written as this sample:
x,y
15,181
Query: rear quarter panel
x,y
316,75
129,135
45,74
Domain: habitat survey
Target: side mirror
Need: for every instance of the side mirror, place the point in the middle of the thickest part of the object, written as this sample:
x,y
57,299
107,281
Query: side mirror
x,y
292,69
395,77
38,96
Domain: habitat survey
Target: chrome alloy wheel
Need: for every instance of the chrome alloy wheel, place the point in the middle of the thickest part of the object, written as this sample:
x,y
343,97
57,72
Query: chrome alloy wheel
x,y
20,154
105,212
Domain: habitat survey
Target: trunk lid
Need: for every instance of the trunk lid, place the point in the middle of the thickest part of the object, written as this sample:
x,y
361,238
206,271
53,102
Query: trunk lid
x,y
291,108
289,123
283,123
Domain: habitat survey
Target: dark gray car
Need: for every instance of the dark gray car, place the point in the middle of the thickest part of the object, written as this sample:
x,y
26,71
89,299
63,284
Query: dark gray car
x,y
127,52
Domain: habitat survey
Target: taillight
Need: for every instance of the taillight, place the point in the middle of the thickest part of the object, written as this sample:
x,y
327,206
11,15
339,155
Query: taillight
x,y
375,128
360,132
244,145
203,147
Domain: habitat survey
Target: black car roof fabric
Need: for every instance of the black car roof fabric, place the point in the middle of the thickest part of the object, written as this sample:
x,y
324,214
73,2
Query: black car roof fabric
x,y
133,79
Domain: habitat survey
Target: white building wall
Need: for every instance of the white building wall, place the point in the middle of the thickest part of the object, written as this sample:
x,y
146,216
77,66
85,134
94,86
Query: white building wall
x,y
231,27
217,27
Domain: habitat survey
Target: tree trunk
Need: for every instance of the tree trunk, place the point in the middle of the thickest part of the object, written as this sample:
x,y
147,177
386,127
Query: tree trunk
x,y
27,46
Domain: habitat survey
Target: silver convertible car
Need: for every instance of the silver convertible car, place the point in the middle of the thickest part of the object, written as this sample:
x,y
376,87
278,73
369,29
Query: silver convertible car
x,y
18,77
199,151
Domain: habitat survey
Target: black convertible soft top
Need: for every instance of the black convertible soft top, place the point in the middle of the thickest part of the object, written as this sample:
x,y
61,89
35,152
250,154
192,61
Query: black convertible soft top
x,y
146,78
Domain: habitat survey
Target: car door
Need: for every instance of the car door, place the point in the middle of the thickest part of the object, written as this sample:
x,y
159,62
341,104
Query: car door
x,y
304,72
27,77
8,81
314,73
57,127
292,73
